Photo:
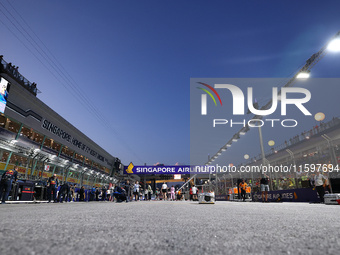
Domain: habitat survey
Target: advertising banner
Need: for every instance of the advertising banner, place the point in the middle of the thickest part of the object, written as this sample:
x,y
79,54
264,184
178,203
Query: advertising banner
x,y
4,86
131,169
292,195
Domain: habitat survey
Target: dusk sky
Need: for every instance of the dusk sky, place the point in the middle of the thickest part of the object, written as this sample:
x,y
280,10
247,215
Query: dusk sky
x,y
131,61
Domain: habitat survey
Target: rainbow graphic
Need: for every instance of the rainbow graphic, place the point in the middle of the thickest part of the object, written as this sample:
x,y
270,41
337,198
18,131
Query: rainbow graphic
x,y
204,97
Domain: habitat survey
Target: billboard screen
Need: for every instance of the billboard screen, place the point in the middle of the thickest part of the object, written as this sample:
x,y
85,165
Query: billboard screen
x,y
4,88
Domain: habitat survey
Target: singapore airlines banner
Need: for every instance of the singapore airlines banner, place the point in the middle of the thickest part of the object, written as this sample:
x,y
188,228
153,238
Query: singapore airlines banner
x,y
185,169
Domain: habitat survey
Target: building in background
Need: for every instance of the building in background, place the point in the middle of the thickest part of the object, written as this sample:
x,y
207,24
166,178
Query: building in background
x,y
41,142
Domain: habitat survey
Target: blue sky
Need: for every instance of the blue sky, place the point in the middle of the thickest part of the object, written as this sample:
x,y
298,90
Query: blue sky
x,y
134,59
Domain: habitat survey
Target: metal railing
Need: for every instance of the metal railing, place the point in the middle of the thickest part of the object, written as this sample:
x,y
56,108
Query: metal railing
x,y
13,72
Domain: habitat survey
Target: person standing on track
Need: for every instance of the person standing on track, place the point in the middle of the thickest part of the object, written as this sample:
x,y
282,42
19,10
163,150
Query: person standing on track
x,y
150,192
127,188
320,181
264,188
194,193
172,193
136,191
82,194
52,186
164,191
243,187
6,182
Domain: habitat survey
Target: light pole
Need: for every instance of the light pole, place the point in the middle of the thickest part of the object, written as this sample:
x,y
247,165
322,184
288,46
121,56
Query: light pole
x,y
262,148
265,162
294,164
332,152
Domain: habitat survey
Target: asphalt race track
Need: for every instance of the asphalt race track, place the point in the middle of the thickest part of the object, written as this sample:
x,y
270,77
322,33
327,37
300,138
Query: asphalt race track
x,y
158,227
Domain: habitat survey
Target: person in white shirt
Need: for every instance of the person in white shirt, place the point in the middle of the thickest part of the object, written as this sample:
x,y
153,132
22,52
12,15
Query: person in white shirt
x,y
146,193
136,191
320,181
194,193
164,191
150,192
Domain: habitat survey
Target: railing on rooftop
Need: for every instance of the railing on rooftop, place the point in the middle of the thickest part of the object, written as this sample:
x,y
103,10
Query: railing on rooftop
x,y
13,72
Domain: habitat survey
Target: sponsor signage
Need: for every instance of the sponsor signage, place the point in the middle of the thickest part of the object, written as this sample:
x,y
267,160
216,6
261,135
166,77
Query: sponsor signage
x,y
131,169
175,170
54,129
293,195
221,198
177,176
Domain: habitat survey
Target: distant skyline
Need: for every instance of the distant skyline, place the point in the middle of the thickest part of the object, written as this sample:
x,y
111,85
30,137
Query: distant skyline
x,y
130,62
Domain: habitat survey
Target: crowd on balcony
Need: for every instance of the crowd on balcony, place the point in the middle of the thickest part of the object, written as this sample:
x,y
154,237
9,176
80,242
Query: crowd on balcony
x,y
13,72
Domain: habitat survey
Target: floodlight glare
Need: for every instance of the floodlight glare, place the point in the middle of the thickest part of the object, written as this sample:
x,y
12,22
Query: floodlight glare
x,y
334,45
303,75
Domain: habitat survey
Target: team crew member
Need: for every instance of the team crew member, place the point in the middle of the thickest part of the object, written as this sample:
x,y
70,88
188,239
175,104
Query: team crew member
x,y
243,186
82,194
64,193
52,185
97,194
179,194
73,193
320,181
6,183
104,193
119,194
264,188
92,193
